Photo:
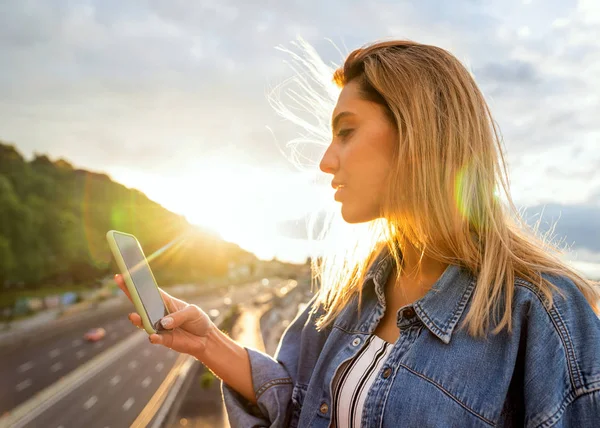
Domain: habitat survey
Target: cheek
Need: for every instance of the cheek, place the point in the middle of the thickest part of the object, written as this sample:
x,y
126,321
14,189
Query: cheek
x,y
387,155
369,158
380,185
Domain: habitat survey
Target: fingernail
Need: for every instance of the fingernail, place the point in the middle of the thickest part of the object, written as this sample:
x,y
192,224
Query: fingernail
x,y
166,322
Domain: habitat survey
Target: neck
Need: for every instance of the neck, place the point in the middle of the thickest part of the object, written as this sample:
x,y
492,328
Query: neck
x,y
418,269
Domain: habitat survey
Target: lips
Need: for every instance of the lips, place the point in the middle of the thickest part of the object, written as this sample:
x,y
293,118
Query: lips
x,y
336,185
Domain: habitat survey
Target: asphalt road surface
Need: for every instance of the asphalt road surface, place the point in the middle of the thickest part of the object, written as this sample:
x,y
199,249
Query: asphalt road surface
x,y
28,371
114,396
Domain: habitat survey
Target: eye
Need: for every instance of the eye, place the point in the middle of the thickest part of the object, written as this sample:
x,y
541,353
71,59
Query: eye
x,y
342,133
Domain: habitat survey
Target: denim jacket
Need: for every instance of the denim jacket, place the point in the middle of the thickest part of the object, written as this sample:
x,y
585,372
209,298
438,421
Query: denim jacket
x,y
545,373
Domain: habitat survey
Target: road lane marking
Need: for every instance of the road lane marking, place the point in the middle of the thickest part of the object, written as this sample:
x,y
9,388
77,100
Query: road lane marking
x,y
159,367
76,342
115,380
90,403
24,367
146,381
25,384
56,367
34,407
80,353
132,364
29,411
54,353
127,405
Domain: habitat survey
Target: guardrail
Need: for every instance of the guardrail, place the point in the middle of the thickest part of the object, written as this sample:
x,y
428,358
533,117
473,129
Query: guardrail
x,y
159,410
247,331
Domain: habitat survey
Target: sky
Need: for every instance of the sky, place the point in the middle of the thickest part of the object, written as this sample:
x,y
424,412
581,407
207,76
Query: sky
x,y
172,98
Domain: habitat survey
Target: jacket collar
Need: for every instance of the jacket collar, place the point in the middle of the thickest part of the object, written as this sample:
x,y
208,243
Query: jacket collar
x,y
442,307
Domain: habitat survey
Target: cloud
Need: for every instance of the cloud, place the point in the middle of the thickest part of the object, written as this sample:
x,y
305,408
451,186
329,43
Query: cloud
x,y
158,85
510,73
577,226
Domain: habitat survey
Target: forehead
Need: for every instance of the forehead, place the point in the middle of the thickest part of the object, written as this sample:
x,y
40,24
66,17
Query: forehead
x,y
352,99
349,96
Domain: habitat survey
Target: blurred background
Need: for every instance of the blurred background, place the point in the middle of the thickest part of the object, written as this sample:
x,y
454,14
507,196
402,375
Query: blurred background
x,y
153,118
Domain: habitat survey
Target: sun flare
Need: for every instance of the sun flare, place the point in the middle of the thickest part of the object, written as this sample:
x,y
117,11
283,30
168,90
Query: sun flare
x,y
243,205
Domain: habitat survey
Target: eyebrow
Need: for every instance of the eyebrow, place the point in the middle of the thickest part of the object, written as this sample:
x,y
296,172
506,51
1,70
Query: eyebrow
x,y
338,117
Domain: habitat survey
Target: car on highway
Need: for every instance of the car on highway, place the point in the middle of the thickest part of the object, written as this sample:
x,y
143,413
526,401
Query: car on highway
x,y
95,334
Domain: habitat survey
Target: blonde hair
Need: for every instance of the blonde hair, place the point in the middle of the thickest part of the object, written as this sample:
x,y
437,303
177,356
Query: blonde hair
x,y
444,193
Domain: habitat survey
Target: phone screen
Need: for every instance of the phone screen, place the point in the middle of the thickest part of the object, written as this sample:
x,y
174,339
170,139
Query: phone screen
x,y
142,278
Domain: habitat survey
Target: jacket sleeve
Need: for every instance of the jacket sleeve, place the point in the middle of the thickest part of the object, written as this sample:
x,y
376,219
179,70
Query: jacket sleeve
x,y
583,412
272,379
561,361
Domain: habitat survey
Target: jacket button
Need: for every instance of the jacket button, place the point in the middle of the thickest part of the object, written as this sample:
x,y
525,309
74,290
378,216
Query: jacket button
x,y
324,408
408,313
356,342
386,373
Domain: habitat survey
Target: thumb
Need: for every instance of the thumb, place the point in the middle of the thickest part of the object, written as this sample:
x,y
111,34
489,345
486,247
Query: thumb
x,y
178,318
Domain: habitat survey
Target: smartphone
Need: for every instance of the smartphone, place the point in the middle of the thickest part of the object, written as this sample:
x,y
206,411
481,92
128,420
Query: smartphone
x,y
139,279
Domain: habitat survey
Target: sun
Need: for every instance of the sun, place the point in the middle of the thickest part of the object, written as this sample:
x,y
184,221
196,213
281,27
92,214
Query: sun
x,y
237,202
242,203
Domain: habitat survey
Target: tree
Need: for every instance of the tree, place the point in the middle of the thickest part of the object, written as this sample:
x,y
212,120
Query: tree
x,y
54,218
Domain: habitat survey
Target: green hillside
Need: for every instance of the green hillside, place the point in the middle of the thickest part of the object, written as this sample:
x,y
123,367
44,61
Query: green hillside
x,y
54,217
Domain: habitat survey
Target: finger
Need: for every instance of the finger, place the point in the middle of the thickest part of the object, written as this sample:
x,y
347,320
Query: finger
x,y
168,301
135,319
121,283
164,339
178,318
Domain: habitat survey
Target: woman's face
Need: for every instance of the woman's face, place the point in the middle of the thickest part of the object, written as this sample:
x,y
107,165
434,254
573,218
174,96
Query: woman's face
x,y
360,155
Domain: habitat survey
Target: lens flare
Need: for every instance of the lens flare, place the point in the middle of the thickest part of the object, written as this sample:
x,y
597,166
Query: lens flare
x,y
468,193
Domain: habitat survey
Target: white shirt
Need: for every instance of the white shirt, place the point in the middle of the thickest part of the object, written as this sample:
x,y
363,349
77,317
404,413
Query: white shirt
x,y
354,379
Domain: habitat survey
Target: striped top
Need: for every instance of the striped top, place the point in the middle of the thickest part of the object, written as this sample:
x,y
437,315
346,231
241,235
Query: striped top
x,y
353,380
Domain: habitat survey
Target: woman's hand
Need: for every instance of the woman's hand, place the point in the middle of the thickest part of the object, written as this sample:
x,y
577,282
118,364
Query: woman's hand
x,y
187,326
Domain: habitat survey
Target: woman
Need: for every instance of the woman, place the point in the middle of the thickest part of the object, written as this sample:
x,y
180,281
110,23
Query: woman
x,y
456,316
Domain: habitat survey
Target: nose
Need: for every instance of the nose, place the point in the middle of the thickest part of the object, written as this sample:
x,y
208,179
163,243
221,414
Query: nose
x,y
330,162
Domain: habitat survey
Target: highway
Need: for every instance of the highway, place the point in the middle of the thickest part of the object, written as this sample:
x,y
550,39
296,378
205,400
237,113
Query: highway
x,y
30,370
26,372
116,394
